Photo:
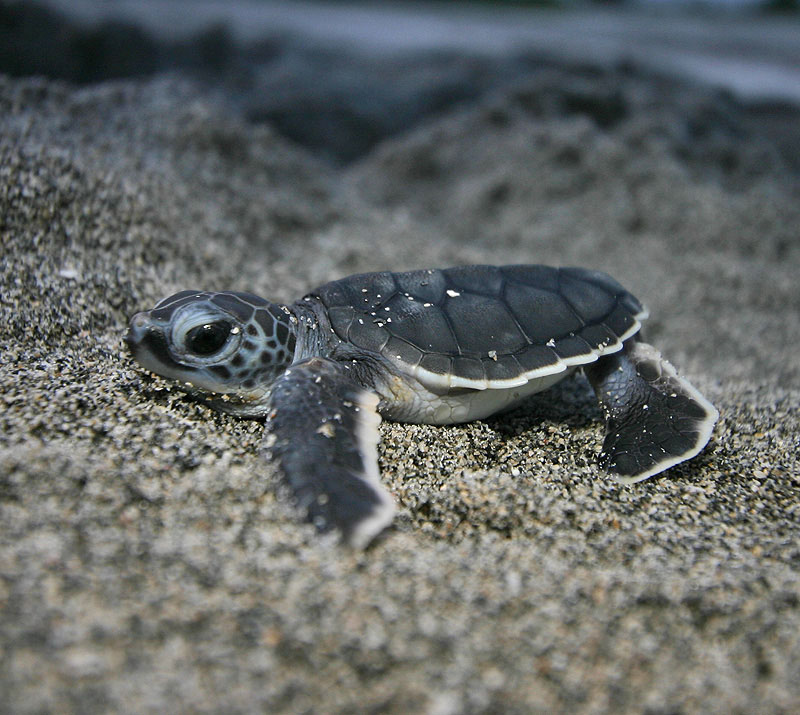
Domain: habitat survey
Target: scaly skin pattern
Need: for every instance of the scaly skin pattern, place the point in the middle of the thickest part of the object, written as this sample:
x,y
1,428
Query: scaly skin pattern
x,y
435,346
257,342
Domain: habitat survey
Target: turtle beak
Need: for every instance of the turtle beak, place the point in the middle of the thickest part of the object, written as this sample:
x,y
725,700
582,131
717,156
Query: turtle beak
x,y
148,343
137,329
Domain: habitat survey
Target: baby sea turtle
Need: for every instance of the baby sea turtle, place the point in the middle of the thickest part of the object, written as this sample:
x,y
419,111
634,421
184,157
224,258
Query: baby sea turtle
x,y
427,346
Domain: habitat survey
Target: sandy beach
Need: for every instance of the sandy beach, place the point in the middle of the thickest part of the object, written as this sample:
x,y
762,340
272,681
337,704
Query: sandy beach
x,y
146,563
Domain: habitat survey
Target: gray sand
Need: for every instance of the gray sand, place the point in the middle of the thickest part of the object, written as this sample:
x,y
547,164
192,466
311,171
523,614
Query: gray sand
x,y
145,562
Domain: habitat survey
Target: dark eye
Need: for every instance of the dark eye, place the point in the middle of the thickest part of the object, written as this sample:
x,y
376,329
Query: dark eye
x,y
209,338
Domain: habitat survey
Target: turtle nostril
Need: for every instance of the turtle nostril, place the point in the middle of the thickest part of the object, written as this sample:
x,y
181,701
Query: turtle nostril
x,y
131,338
136,330
139,321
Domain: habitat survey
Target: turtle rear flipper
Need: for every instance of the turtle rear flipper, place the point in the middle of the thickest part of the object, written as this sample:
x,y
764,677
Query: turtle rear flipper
x,y
654,419
323,430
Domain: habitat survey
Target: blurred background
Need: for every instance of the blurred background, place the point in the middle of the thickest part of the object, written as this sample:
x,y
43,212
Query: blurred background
x,y
338,77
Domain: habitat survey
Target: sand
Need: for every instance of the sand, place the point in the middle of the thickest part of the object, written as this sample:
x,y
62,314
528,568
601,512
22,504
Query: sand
x,y
146,564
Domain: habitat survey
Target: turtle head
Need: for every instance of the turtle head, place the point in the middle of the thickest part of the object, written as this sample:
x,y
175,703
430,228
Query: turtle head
x,y
225,348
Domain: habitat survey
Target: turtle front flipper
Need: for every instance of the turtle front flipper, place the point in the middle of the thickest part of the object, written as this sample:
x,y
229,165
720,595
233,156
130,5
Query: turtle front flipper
x,y
322,430
654,419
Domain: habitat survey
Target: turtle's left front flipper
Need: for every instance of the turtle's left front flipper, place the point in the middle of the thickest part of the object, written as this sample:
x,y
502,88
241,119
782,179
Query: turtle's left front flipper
x,y
322,430
654,419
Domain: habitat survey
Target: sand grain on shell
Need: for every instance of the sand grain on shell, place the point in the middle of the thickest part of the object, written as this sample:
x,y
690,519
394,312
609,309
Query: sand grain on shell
x,y
145,561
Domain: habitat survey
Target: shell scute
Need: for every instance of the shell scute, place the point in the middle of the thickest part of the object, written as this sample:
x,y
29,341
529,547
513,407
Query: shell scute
x,y
381,285
486,280
505,367
536,357
589,300
428,286
401,350
619,320
437,363
367,334
469,368
403,308
481,322
603,280
571,346
541,277
426,327
543,314
341,316
363,292
599,336
632,304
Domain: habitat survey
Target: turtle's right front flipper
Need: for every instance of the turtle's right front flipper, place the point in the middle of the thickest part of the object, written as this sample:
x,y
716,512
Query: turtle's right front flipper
x,y
322,430
654,419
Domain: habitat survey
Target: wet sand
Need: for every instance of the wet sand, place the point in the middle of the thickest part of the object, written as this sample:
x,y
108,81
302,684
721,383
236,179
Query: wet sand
x,y
146,563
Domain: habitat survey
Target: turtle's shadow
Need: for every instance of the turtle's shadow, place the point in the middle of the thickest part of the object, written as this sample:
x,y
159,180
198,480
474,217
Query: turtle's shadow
x,y
571,401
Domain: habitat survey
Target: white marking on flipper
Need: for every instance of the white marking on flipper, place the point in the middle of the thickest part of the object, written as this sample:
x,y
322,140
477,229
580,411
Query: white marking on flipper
x,y
641,351
367,437
312,403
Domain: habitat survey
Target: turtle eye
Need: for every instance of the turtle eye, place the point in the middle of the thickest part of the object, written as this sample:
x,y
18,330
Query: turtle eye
x,y
208,338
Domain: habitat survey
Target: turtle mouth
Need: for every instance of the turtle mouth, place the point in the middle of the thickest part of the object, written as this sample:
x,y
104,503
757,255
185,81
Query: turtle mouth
x,y
149,347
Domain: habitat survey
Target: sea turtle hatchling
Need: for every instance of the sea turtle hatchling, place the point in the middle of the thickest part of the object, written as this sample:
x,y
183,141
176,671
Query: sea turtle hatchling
x,y
426,346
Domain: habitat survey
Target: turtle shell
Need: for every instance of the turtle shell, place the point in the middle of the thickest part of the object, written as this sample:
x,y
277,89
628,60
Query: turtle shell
x,y
483,326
